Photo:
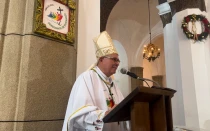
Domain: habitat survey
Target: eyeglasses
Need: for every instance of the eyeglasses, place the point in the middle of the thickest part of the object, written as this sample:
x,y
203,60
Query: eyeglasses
x,y
113,58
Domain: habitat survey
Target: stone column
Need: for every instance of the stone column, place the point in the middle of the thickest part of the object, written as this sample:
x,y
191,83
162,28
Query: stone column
x,y
88,28
36,73
158,79
3,12
173,77
139,72
187,68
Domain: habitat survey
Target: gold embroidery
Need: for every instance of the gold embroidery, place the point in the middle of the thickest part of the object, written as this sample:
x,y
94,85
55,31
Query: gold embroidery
x,y
75,113
99,115
104,45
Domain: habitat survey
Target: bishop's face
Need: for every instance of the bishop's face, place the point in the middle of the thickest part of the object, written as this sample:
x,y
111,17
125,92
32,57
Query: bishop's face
x,y
110,64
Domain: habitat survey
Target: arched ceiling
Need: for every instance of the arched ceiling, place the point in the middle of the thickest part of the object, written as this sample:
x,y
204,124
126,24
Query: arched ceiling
x,y
136,10
128,22
105,10
122,6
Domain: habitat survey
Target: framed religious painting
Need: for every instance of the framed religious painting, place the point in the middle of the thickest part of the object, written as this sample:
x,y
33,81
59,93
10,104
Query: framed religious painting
x,y
55,19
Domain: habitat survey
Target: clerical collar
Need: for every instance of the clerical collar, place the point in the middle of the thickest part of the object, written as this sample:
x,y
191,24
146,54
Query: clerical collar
x,y
107,79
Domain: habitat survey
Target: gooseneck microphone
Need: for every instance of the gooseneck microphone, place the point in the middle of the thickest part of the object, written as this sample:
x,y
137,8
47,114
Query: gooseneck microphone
x,y
124,71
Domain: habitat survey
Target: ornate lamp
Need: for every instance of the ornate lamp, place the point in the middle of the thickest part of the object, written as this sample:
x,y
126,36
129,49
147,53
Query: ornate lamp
x,y
151,52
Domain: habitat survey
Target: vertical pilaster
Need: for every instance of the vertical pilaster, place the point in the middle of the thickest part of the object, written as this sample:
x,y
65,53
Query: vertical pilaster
x,y
139,72
11,60
36,74
187,64
158,79
89,11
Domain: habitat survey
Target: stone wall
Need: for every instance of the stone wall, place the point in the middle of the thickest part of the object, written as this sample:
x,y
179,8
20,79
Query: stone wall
x,y
36,74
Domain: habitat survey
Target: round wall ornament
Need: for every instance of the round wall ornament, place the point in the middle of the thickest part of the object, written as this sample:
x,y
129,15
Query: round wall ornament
x,y
193,33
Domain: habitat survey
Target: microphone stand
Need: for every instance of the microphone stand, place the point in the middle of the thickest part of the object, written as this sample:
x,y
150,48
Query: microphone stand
x,y
133,75
156,87
143,79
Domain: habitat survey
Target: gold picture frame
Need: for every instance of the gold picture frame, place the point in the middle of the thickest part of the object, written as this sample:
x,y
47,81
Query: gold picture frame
x,y
41,28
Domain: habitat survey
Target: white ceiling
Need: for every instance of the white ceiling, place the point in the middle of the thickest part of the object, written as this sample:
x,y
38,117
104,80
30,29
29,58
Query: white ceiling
x,y
128,23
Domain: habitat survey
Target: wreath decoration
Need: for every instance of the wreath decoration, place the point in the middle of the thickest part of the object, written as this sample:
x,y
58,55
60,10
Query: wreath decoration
x,y
193,35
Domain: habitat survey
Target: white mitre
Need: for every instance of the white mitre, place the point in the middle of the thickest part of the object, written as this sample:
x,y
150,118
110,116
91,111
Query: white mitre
x,y
104,45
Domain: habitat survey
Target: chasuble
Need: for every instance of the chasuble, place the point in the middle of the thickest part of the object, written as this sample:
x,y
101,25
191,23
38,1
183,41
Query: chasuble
x,y
92,95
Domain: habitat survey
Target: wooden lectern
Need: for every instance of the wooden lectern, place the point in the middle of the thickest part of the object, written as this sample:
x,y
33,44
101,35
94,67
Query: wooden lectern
x,y
148,109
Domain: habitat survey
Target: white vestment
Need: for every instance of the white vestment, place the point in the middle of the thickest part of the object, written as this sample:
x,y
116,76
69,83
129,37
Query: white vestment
x,y
87,103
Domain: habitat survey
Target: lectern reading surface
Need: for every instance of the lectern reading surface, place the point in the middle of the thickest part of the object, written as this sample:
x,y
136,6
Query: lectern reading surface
x,y
149,109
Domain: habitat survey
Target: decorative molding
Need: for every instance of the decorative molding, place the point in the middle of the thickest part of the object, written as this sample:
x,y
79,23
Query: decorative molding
x,y
165,13
164,8
166,18
177,6
173,8
161,1
180,5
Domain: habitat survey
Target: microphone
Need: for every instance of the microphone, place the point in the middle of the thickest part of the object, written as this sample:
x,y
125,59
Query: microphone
x,y
124,71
